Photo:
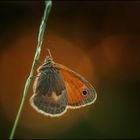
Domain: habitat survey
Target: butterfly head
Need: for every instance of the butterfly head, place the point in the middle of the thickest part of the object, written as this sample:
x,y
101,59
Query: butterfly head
x,y
49,60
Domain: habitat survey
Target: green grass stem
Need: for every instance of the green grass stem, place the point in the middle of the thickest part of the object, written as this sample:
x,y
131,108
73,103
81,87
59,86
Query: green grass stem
x,y
48,4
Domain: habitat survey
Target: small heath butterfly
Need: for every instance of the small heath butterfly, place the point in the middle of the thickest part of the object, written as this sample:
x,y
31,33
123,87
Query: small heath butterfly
x,y
57,88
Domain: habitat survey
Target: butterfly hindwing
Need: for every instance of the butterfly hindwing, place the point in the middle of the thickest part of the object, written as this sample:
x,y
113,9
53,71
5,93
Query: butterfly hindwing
x,y
50,95
80,91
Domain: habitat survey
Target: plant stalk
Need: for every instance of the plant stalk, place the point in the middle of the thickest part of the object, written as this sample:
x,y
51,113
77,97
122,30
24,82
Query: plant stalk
x,y
48,5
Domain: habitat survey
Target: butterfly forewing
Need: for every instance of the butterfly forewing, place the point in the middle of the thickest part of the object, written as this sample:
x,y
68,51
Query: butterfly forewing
x,y
80,91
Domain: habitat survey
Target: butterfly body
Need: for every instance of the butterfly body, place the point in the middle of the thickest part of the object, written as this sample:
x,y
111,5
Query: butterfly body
x,y
57,88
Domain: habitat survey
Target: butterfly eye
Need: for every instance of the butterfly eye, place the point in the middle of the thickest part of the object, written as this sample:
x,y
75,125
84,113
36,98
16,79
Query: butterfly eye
x,y
49,64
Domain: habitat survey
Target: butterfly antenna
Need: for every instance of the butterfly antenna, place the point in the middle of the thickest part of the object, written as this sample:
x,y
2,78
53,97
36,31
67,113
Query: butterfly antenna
x,y
49,53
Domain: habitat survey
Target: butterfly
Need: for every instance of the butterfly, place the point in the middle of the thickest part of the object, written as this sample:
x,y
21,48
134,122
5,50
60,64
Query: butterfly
x,y
57,88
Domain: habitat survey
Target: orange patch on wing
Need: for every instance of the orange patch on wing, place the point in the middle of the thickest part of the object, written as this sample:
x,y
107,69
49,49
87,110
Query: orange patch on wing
x,y
74,86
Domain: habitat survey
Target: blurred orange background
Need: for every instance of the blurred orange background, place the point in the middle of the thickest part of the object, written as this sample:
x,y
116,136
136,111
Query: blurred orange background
x,y
100,40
